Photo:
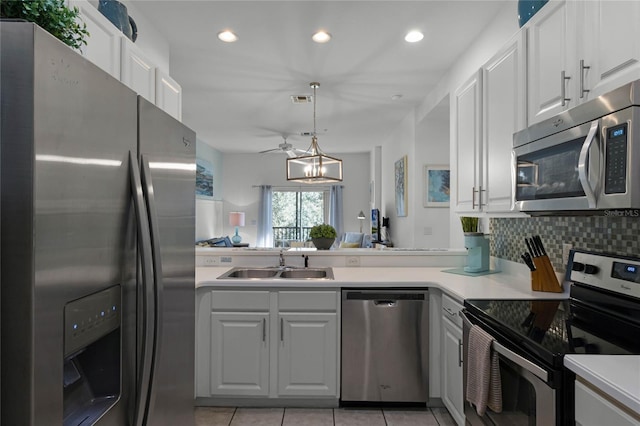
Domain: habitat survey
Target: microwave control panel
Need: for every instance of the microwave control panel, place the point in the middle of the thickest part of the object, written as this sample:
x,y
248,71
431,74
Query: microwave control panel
x,y
616,160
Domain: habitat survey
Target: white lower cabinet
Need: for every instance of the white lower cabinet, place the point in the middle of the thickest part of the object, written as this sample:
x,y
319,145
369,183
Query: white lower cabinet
x,y
451,381
307,356
593,408
239,353
267,343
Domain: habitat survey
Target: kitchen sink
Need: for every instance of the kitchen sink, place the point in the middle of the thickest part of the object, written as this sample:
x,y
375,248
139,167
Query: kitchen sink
x,y
251,273
278,273
307,273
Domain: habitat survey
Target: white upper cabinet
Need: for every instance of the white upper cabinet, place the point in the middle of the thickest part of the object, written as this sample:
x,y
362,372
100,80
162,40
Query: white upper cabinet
x,y
138,71
578,51
168,94
609,45
488,109
551,59
504,113
103,42
467,140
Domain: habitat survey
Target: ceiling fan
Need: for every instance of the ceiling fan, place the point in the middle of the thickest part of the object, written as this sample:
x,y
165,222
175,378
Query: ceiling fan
x,y
285,147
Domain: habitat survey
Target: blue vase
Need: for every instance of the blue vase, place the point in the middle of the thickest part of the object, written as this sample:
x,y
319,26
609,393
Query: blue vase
x,y
116,12
528,8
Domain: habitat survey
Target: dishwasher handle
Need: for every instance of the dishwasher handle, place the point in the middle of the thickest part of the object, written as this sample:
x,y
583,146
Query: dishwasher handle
x,y
386,297
386,303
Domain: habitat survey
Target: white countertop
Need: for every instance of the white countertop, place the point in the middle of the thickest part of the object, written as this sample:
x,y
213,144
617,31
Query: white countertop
x,y
493,286
616,375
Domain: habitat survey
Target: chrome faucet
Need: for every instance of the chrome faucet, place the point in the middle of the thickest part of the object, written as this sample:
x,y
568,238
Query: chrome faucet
x,y
282,265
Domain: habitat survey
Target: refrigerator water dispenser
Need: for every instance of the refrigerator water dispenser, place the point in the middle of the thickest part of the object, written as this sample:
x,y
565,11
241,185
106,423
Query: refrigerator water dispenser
x,y
92,361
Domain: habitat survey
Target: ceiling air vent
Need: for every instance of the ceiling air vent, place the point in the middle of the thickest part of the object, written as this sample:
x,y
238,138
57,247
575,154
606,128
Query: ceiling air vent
x,y
301,99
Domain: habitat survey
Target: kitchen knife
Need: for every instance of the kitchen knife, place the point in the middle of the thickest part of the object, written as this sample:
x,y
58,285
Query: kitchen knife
x,y
536,252
527,260
539,244
526,240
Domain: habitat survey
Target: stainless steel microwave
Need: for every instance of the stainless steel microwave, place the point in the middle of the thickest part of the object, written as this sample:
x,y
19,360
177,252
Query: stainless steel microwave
x,y
583,160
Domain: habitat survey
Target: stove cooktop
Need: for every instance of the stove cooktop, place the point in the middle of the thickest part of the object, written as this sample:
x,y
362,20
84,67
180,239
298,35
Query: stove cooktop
x,y
552,328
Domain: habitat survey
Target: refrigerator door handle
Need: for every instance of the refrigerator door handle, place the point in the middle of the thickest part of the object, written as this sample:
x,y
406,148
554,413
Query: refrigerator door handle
x,y
144,245
149,195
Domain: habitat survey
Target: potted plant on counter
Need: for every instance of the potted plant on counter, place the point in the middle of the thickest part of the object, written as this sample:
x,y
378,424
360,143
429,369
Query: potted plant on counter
x,y
323,236
469,225
53,16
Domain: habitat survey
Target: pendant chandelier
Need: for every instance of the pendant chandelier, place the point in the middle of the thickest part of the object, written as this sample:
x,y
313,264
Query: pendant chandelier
x,y
314,166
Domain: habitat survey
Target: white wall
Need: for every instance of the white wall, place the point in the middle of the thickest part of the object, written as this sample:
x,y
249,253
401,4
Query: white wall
x,y
400,144
431,224
407,139
242,172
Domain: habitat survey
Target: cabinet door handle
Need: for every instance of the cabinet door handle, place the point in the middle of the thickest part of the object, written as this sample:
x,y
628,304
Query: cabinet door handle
x,y
264,330
583,67
480,191
563,91
473,197
281,329
459,353
449,311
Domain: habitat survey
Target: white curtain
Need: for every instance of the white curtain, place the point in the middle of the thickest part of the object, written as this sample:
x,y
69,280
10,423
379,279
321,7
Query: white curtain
x,y
265,225
335,209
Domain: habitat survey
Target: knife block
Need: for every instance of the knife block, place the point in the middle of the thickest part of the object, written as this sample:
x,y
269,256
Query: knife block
x,y
544,277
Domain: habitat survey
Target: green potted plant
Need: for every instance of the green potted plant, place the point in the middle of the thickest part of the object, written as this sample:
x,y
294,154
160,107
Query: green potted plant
x,y
469,225
323,236
52,15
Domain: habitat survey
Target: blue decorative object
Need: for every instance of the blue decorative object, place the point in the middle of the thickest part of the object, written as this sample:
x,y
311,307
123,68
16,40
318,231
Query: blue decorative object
x,y
236,238
116,12
528,8
236,219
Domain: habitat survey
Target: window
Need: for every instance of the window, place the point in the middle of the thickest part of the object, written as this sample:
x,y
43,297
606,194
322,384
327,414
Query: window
x,y
295,212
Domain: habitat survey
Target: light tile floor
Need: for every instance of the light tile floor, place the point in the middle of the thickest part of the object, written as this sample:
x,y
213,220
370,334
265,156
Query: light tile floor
x,y
230,416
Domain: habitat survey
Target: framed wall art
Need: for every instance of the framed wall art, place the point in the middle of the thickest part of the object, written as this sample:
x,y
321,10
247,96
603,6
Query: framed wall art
x,y
204,179
436,186
402,195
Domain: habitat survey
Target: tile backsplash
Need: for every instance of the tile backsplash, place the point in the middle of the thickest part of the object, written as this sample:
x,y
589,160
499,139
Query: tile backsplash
x,y
617,235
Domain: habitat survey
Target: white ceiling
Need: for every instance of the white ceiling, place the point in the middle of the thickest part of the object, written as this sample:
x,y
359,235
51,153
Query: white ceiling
x,y
236,96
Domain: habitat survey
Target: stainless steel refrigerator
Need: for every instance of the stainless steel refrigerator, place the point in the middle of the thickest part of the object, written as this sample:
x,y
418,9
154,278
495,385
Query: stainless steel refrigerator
x,y
97,249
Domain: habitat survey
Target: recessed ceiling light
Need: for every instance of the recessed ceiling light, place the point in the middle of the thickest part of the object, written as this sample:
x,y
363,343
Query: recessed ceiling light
x,y
413,36
396,96
227,36
321,37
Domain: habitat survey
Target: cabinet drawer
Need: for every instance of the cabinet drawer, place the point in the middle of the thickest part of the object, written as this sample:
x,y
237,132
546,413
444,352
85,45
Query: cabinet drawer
x,y
307,301
451,310
224,300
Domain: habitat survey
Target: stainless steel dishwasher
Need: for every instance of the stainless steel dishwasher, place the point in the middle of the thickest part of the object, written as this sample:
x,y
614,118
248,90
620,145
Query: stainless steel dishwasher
x,y
385,346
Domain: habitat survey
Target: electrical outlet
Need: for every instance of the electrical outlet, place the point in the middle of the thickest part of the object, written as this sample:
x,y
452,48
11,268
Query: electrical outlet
x,y
428,230
353,261
225,259
210,260
566,249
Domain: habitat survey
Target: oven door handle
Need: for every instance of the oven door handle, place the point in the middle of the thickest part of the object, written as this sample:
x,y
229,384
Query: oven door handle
x,y
512,356
583,167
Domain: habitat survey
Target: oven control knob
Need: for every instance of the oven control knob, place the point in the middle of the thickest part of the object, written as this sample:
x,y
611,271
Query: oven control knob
x,y
591,269
577,266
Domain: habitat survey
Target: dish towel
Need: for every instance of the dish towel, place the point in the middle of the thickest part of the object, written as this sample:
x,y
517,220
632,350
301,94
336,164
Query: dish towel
x,y
484,388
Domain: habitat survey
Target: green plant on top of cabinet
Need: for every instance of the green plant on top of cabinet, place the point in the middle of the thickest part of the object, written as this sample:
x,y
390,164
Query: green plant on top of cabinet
x,y
578,51
488,109
53,16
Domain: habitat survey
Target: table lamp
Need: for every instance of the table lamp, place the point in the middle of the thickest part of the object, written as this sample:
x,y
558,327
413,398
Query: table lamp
x,y
361,218
236,219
